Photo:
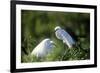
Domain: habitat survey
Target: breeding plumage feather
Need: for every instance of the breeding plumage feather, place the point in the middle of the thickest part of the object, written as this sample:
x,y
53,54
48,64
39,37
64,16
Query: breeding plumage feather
x,y
43,48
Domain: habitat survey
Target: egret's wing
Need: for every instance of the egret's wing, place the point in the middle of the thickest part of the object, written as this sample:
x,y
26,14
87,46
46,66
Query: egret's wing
x,y
67,38
39,50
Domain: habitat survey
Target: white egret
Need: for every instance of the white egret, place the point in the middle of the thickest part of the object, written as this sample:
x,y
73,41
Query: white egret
x,y
64,36
43,48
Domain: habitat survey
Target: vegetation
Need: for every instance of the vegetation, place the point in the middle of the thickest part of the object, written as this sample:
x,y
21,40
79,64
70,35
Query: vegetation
x,y
38,25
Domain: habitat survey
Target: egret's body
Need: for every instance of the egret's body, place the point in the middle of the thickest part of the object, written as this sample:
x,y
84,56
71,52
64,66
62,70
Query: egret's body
x,y
64,36
43,48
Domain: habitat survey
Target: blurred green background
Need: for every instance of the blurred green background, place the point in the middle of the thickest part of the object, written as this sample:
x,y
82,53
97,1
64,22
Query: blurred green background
x,y
38,25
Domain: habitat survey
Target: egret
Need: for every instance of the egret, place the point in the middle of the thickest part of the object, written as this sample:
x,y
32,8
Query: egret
x,y
43,48
64,36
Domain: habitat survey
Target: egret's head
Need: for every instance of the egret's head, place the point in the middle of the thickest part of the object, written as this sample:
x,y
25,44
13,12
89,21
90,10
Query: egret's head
x,y
50,43
53,44
58,27
47,41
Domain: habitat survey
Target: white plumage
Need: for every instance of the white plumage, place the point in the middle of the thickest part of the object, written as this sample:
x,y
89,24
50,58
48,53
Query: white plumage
x,y
64,36
43,48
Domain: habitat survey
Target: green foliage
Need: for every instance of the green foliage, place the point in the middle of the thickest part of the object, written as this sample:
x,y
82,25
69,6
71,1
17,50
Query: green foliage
x,y
38,25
